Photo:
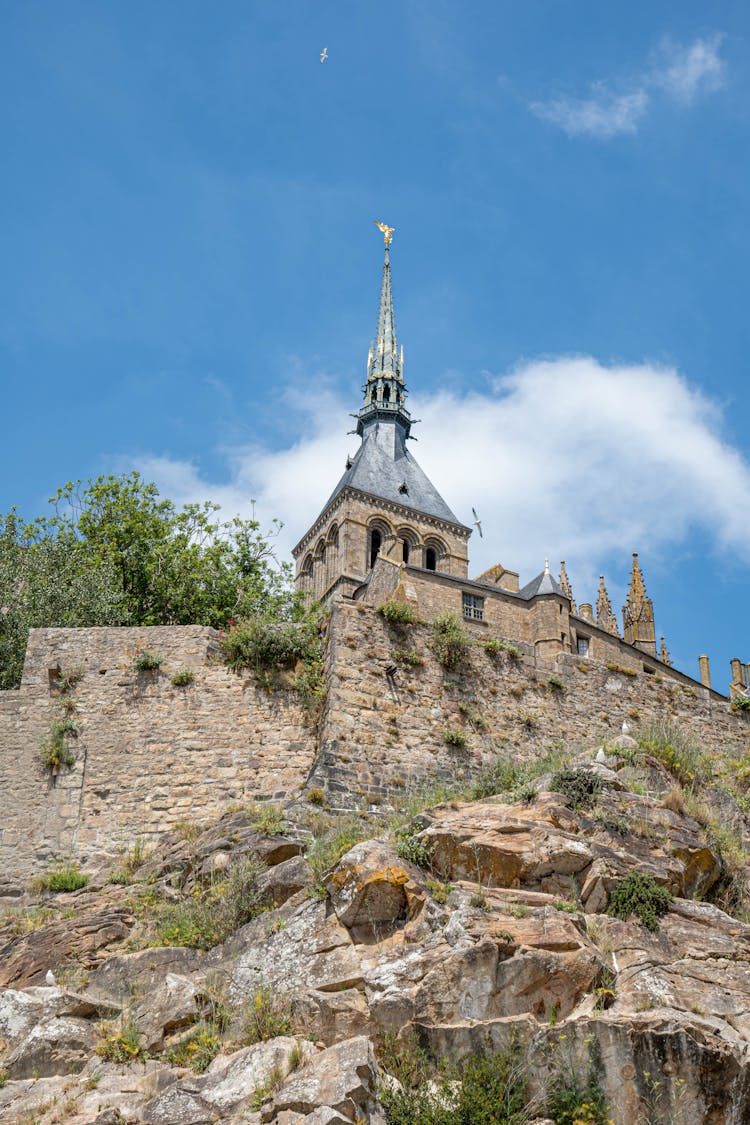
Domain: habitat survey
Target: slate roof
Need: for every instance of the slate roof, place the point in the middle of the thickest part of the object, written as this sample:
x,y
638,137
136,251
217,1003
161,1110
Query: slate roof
x,y
383,465
544,583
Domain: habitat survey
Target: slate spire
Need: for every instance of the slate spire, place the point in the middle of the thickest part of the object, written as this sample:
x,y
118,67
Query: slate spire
x,y
385,390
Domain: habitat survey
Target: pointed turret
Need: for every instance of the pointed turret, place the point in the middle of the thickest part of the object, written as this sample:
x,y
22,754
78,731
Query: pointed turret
x,y
638,613
566,587
605,618
664,653
385,390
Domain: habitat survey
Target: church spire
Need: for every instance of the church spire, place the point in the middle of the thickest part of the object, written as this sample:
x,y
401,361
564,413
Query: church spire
x,y
385,390
638,613
605,618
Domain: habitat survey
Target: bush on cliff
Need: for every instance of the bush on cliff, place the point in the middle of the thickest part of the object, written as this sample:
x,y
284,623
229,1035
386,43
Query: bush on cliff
x,y
204,920
116,553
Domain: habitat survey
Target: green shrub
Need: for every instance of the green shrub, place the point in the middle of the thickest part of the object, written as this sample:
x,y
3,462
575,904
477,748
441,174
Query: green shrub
x,y
334,837
265,644
454,736
500,777
488,1090
555,683
639,893
573,1104
410,846
128,865
147,661
580,786
408,656
741,703
61,880
121,1045
676,749
397,612
209,918
316,796
449,641
439,891
183,677
197,1050
268,819
266,1016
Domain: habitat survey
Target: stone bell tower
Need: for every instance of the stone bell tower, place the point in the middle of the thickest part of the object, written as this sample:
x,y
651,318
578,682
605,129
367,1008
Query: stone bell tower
x,y
384,503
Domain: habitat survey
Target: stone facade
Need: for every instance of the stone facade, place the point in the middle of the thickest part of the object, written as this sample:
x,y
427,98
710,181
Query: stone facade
x,y
335,555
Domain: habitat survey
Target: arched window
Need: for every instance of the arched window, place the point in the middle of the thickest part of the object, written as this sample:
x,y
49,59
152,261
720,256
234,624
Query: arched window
x,y
386,393
376,540
434,551
405,545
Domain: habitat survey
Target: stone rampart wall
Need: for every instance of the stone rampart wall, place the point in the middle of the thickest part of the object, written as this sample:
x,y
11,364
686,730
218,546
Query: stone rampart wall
x,y
386,731
148,754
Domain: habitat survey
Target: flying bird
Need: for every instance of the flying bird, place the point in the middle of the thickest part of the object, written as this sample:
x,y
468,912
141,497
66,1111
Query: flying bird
x,y
324,54
477,522
50,978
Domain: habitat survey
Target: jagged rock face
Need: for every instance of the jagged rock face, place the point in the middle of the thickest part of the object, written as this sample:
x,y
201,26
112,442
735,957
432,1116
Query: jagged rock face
x,y
506,936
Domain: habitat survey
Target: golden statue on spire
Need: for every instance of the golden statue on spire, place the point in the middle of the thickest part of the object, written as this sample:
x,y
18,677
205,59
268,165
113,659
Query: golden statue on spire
x,y
387,231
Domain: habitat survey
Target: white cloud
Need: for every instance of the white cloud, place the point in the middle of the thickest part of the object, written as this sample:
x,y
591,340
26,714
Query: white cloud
x,y
564,457
602,115
686,72
681,73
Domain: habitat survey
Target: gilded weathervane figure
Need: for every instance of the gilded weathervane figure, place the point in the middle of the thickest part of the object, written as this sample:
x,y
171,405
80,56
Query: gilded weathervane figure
x,y
387,231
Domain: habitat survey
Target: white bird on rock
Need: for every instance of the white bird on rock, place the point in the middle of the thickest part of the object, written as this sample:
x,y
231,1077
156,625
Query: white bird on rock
x,y
625,727
324,54
50,978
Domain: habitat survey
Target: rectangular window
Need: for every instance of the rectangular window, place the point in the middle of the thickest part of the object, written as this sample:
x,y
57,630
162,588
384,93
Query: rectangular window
x,y
473,607
582,646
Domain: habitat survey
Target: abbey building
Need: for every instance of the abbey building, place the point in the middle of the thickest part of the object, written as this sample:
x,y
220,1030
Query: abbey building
x,y
385,531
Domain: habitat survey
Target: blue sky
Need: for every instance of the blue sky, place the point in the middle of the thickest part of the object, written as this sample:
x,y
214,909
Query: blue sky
x,y
190,272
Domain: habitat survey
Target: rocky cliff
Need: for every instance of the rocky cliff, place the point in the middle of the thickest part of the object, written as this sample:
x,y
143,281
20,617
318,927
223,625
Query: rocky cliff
x,y
563,942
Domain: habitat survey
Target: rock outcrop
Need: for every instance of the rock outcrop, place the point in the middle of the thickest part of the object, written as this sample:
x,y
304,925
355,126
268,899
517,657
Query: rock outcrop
x,y
502,934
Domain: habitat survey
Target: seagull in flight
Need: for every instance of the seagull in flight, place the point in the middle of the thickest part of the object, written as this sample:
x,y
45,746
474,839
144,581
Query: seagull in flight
x,y
324,54
477,522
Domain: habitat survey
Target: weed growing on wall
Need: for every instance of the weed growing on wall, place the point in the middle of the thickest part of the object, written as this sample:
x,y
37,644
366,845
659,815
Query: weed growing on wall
x,y
55,751
397,612
147,661
183,677
449,641
454,736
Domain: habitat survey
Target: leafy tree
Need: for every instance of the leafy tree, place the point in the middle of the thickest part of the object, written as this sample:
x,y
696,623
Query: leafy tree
x,y
116,553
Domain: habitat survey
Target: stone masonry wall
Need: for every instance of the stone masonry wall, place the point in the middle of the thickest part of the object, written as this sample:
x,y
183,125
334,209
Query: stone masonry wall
x,y
385,731
148,754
